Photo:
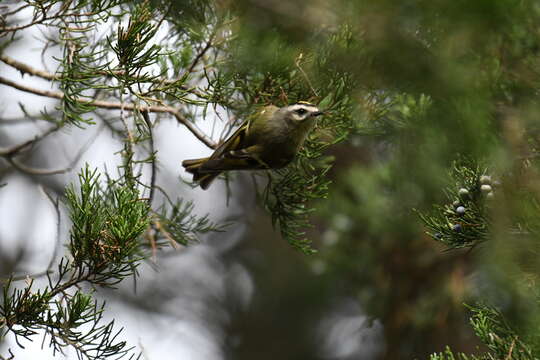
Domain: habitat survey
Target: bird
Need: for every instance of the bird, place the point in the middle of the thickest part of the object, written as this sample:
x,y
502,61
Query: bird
x,y
269,139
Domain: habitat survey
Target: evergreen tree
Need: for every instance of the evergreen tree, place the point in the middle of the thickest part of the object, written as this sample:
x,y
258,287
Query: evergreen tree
x,y
419,96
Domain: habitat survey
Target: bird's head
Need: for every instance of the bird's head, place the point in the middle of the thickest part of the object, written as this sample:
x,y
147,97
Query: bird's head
x,y
300,112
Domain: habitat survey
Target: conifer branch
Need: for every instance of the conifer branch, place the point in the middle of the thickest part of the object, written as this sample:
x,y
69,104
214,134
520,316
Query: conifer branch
x,y
29,70
118,106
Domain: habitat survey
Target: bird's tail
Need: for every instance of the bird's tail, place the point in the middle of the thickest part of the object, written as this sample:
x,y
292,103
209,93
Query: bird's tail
x,y
205,178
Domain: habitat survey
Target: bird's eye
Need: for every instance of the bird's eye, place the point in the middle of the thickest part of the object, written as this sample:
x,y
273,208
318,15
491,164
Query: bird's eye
x,y
301,111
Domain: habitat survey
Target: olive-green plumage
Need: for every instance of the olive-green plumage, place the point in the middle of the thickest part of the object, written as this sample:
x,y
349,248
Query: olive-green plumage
x,y
268,140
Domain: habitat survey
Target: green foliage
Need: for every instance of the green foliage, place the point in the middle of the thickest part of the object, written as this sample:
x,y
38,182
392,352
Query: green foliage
x,y
284,76
133,49
449,355
66,327
497,335
76,78
80,65
410,84
70,320
108,220
501,340
107,224
23,308
464,220
287,199
291,192
114,221
177,224
387,114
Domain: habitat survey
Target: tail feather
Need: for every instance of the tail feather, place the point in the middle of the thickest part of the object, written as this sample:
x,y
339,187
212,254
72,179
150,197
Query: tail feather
x,y
192,166
204,179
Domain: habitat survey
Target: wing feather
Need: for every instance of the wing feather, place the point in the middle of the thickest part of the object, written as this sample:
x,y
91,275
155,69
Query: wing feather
x,y
234,142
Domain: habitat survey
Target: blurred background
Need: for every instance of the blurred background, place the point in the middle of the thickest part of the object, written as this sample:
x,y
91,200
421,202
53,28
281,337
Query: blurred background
x,y
430,81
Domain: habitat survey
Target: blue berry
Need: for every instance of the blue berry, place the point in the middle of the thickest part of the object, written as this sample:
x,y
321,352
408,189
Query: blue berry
x,y
457,227
460,210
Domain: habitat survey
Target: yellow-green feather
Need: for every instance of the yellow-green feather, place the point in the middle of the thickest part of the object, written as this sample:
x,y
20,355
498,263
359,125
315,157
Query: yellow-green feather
x,y
205,170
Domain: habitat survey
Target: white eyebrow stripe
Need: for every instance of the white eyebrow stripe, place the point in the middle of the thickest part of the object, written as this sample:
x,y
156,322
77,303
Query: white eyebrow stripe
x,y
304,106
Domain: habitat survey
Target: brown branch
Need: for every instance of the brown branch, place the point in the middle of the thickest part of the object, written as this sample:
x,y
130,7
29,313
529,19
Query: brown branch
x,y
62,13
26,69
118,106
297,64
153,162
5,30
14,11
509,356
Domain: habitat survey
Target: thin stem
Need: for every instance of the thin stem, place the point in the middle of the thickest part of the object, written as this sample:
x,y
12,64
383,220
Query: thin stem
x,y
153,161
27,69
57,245
201,53
114,105
17,148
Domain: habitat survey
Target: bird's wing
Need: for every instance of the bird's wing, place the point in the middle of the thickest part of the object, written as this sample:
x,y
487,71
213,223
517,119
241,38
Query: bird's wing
x,y
243,159
239,140
234,142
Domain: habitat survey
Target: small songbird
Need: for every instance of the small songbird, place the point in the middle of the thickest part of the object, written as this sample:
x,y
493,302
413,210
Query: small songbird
x,y
268,140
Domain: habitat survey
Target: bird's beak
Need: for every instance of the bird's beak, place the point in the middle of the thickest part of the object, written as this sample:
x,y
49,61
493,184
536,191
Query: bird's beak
x,y
317,113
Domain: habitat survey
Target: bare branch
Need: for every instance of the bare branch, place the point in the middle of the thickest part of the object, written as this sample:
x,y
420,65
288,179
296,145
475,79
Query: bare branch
x,y
17,148
61,14
27,117
118,106
26,69
43,172
14,11
153,161
11,356
297,64
201,53
56,205
33,171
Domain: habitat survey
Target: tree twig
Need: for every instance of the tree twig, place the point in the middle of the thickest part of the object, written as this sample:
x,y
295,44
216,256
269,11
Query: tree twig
x,y
201,53
117,106
17,148
297,64
43,172
33,171
62,13
11,356
27,69
509,355
56,206
153,161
